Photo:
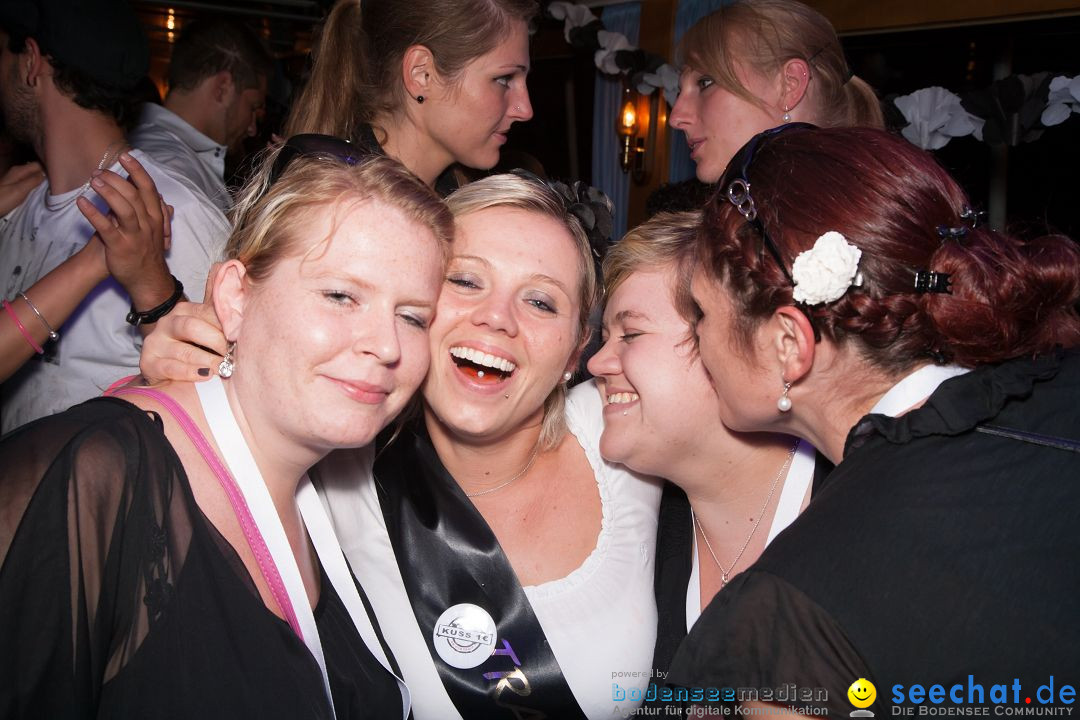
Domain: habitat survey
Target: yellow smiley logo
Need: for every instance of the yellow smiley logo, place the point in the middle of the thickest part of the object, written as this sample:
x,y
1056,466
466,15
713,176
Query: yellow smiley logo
x,y
862,693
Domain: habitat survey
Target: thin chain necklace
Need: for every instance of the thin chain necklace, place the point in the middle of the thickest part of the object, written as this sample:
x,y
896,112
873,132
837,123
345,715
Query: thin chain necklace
x,y
520,473
724,573
86,185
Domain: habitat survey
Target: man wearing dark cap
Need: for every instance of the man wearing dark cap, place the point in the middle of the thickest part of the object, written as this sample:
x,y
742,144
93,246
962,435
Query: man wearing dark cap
x,y
217,87
67,69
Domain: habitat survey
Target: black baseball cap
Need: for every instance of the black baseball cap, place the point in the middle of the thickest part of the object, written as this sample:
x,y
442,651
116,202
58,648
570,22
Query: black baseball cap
x,y
102,38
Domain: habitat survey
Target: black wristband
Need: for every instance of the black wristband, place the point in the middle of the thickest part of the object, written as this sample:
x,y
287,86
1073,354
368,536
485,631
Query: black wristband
x,y
154,314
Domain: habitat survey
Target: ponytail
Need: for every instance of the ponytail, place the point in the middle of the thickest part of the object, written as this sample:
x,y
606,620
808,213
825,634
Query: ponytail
x,y
763,35
863,109
335,99
356,77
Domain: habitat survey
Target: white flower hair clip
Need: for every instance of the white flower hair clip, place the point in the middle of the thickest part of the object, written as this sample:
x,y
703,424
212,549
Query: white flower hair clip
x,y
826,271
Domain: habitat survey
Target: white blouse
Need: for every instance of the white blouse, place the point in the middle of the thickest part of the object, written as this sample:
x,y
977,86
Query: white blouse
x,y
600,619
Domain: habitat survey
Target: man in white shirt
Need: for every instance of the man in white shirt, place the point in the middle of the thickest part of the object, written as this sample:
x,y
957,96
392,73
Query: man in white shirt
x,y
66,72
217,88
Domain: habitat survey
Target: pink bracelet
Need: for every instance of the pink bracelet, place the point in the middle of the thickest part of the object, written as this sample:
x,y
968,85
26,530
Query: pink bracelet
x,y
18,323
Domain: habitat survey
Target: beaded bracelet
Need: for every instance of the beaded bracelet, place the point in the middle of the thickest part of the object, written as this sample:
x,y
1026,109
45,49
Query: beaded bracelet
x,y
53,335
18,323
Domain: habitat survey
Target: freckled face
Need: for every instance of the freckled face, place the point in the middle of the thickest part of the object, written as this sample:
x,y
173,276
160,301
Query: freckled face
x,y
340,333
659,402
507,322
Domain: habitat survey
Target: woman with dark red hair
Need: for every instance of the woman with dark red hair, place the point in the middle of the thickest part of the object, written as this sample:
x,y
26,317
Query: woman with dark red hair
x,y
847,294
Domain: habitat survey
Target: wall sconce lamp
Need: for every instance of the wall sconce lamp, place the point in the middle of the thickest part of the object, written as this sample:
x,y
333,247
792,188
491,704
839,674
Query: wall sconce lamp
x,y
630,155
636,129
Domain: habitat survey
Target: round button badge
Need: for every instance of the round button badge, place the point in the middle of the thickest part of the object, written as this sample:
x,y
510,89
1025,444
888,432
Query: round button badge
x,y
464,636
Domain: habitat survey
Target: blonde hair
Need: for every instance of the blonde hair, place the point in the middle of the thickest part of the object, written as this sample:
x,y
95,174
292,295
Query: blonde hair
x,y
666,239
517,192
762,35
356,76
270,220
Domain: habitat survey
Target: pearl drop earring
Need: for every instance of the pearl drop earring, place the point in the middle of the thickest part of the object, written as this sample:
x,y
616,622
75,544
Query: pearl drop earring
x,y
784,403
787,115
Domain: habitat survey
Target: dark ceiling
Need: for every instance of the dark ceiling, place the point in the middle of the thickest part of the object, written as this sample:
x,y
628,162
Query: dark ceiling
x,y
286,25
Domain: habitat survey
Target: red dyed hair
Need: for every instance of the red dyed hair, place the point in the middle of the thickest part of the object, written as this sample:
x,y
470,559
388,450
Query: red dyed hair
x,y
887,197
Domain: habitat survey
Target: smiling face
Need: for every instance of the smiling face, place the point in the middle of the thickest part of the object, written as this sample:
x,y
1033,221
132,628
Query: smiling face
x,y
333,342
658,401
717,122
472,114
862,693
507,322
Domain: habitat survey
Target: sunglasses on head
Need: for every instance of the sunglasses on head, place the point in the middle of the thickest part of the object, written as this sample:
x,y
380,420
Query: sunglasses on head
x,y
314,145
735,186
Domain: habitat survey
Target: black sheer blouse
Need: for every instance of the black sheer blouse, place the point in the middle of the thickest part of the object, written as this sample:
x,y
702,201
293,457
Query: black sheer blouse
x,y
118,598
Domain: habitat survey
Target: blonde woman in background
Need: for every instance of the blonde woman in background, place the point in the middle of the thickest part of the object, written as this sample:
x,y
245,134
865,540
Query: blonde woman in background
x,y
756,64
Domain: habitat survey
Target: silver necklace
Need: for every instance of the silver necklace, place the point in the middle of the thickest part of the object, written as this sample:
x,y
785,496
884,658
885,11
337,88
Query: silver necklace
x,y
761,513
520,473
86,185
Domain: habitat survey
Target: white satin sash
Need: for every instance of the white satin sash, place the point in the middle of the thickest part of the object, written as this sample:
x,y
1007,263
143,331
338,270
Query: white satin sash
x,y
241,463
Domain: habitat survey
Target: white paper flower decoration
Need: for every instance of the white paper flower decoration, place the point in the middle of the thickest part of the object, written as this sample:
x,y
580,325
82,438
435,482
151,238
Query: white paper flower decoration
x,y
936,116
666,77
1063,101
573,14
826,271
610,43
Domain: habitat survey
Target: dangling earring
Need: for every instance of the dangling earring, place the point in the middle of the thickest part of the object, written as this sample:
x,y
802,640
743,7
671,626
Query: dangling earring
x,y
787,115
226,366
420,99
784,403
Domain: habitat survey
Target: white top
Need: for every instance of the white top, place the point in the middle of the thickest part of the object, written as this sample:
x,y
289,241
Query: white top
x,y
96,346
600,619
169,139
799,478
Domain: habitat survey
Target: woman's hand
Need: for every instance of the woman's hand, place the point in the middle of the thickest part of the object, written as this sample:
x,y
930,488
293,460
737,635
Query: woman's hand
x,y
187,344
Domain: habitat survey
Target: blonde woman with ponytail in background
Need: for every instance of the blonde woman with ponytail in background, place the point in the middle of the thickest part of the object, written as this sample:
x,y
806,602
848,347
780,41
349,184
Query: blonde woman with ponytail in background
x,y
430,83
756,64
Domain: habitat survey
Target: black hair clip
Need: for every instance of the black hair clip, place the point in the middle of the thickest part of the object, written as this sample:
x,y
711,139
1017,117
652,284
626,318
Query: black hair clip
x,y
939,357
314,145
593,209
928,281
951,233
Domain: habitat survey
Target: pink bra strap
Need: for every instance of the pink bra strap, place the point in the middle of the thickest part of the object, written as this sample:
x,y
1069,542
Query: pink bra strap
x,y
232,490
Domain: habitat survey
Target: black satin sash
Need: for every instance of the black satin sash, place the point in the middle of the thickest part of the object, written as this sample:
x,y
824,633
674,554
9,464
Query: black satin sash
x,y
448,555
